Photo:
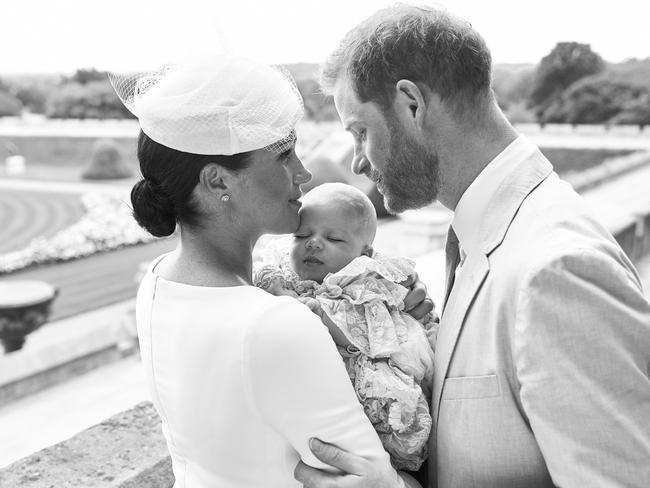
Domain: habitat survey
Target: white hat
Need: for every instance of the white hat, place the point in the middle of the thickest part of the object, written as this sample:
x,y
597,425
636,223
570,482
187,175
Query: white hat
x,y
214,106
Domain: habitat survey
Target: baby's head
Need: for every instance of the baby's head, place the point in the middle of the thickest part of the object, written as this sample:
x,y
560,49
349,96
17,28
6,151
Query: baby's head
x,y
337,224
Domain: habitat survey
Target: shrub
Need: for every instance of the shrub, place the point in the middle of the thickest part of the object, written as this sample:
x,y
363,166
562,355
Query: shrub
x,y
635,112
9,105
106,162
87,75
91,100
592,100
32,96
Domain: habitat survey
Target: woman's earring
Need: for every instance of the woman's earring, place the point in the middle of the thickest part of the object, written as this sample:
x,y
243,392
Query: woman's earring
x,y
225,198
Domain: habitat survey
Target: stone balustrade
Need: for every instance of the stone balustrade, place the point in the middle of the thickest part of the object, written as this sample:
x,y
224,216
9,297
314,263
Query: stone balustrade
x,y
124,451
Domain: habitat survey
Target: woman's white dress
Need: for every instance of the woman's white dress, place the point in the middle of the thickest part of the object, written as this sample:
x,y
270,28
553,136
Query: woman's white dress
x,y
242,379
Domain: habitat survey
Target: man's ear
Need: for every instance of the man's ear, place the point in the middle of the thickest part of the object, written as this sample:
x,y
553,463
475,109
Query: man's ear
x,y
216,179
412,101
367,251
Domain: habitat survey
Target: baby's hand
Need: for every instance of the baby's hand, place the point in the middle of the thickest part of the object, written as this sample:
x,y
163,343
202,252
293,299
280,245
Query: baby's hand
x,y
313,305
417,302
335,332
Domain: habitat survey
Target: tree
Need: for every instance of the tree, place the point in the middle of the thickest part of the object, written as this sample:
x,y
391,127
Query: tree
x,y
591,100
636,111
93,100
32,96
9,105
84,76
564,65
633,71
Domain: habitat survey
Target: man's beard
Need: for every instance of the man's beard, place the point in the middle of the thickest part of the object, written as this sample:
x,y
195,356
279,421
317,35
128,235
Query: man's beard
x,y
410,177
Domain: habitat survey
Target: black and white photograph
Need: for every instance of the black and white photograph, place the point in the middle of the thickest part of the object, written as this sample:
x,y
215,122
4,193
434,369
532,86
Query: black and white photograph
x,y
355,244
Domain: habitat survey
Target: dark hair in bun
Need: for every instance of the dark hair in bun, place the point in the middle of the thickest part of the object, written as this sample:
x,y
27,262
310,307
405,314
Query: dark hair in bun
x,y
164,196
152,209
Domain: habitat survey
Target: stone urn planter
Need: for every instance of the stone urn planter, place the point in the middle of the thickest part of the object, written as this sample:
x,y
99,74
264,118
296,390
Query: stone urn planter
x,y
24,307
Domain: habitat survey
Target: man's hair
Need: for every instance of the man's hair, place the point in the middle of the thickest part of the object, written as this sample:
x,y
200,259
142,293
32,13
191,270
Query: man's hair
x,y
420,44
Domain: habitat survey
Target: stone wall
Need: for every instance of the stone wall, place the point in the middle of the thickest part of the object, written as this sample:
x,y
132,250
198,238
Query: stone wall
x,y
124,451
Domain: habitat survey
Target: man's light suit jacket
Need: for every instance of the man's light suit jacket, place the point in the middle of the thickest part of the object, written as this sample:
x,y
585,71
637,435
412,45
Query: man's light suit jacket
x,y
543,353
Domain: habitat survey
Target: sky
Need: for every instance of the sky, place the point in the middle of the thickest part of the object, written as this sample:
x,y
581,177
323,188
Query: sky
x,y
64,35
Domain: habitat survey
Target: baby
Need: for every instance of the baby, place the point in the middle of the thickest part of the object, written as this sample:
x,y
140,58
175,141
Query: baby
x,y
387,353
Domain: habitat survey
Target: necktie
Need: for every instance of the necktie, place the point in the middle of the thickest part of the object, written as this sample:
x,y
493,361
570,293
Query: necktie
x,y
452,255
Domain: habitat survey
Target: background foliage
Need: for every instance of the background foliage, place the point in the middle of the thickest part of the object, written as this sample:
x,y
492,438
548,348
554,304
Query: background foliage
x,y
572,84
567,63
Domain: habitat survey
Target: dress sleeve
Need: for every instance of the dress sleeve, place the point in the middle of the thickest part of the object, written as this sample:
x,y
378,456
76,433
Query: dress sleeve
x,y
582,353
299,384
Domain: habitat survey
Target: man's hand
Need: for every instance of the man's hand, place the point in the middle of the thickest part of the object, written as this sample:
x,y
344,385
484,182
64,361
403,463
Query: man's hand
x,y
358,472
417,303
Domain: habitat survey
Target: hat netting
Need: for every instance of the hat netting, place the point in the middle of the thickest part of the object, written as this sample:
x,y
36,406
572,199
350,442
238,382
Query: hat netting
x,y
216,106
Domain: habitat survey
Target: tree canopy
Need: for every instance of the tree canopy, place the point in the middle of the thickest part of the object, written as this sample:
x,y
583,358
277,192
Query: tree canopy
x,y
564,65
9,104
90,100
572,84
592,100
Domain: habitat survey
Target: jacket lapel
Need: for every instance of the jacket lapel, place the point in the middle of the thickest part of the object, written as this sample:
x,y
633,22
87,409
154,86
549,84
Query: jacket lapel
x,y
494,226
460,299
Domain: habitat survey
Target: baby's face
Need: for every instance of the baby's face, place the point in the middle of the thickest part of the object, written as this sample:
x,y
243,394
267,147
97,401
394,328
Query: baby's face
x,y
328,238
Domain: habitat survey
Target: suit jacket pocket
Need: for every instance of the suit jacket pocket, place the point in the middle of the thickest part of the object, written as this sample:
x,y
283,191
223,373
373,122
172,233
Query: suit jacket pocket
x,y
471,387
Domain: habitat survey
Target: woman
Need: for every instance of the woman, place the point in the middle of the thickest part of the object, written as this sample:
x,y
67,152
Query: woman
x,y
241,379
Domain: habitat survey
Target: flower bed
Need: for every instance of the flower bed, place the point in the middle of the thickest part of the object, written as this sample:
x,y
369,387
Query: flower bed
x,y
106,225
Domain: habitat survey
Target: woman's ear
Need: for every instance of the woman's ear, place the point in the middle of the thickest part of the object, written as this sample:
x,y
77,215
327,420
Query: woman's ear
x,y
412,101
216,179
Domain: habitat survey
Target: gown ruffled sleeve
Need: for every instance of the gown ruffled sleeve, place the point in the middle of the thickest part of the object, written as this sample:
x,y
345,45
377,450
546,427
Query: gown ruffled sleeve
x,y
390,361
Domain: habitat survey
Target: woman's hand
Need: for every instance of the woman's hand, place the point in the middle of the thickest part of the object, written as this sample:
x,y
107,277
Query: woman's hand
x,y
417,303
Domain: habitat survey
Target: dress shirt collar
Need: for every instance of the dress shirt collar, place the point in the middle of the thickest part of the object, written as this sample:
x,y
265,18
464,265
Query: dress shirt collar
x,y
472,205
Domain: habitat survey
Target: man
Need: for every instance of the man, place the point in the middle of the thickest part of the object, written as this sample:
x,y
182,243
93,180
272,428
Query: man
x,y
543,353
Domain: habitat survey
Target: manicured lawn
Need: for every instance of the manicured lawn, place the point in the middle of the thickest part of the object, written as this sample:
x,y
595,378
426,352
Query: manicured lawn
x,y
25,215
